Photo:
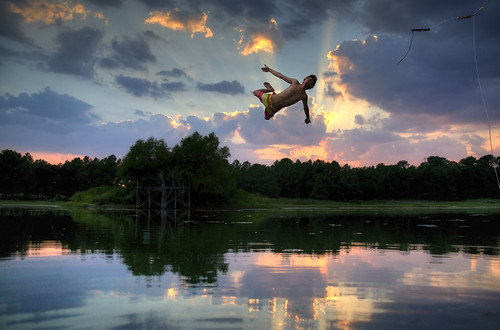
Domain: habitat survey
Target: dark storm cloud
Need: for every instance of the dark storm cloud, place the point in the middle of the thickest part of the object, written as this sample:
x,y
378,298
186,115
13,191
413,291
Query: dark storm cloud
x,y
151,35
111,138
159,4
359,119
295,16
224,87
300,15
291,20
106,3
140,113
5,52
174,73
129,53
275,21
416,123
400,16
143,87
10,24
46,110
330,91
76,54
258,10
436,84
137,87
174,86
437,78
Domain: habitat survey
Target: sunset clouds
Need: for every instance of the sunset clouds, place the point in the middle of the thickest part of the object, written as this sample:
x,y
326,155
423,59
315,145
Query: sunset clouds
x,y
181,21
254,40
91,77
50,12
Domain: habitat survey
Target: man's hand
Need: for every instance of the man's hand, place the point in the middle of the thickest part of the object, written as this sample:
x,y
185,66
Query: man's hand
x,y
308,121
265,68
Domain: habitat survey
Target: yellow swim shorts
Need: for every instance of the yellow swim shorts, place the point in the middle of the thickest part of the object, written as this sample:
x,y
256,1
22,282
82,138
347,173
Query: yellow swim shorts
x,y
265,98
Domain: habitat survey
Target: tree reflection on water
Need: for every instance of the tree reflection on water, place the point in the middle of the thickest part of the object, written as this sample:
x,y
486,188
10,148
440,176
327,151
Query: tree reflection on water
x,y
194,245
256,269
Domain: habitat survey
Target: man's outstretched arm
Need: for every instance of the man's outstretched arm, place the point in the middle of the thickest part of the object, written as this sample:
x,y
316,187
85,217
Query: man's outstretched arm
x,y
265,68
306,111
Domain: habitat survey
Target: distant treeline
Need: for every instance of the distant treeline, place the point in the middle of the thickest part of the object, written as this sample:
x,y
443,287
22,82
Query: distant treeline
x,y
21,177
435,179
200,162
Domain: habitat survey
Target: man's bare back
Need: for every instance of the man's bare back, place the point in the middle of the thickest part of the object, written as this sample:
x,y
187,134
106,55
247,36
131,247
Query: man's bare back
x,y
291,95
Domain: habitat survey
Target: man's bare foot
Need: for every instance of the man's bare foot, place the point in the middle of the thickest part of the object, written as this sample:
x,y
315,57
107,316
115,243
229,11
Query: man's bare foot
x,y
269,87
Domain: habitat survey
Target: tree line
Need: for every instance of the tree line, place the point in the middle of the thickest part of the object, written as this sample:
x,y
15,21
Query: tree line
x,y
437,178
198,160
203,164
24,178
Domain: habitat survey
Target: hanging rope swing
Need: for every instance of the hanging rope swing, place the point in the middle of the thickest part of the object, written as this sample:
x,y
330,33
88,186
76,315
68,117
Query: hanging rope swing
x,y
476,66
432,27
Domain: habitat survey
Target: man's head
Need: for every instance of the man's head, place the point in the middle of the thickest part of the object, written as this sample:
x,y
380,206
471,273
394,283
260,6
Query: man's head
x,y
312,80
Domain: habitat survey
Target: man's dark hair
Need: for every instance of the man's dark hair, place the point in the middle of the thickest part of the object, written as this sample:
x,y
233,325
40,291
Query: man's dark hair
x,y
314,78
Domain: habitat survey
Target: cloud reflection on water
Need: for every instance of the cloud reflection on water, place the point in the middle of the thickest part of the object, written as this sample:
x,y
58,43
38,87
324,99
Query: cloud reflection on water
x,y
356,275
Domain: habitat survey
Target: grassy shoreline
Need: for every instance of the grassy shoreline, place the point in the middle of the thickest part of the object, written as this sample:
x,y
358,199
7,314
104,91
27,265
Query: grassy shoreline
x,y
283,204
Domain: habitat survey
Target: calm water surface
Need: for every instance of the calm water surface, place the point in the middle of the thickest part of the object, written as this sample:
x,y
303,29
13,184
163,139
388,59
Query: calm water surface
x,y
248,270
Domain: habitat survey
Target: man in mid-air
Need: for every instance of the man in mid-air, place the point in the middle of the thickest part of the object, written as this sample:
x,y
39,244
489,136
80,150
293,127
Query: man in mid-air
x,y
292,94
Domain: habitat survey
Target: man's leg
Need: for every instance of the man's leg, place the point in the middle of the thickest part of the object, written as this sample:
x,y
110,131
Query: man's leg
x,y
268,89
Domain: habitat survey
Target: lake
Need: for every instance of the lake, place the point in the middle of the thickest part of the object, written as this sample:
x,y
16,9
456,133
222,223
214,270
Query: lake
x,y
304,269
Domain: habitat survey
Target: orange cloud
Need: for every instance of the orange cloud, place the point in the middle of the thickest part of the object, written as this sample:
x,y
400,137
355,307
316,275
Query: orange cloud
x,y
258,41
338,63
256,44
174,20
52,11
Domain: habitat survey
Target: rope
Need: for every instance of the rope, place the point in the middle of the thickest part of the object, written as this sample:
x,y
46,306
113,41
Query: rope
x,y
469,16
443,22
482,93
477,70
409,47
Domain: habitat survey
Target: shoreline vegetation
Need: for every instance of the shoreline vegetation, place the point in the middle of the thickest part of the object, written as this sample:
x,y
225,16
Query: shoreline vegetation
x,y
260,203
201,165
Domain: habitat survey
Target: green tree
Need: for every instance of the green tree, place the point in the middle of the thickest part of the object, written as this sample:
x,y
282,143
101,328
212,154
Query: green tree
x,y
349,186
257,178
394,181
204,164
283,172
325,177
45,178
489,175
15,174
437,179
70,178
146,160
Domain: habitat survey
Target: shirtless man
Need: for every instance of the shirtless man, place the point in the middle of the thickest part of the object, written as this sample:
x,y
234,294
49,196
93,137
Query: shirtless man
x,y
292,94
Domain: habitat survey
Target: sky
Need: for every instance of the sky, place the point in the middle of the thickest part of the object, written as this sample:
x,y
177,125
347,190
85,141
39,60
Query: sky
x,y
91,77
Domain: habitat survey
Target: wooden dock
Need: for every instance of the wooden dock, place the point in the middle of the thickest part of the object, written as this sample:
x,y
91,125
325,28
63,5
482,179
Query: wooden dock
x,y
153,195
